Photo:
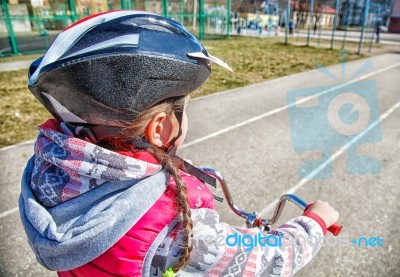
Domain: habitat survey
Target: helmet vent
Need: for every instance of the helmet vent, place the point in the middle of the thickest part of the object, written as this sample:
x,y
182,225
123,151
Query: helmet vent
x,y
155,24
157,28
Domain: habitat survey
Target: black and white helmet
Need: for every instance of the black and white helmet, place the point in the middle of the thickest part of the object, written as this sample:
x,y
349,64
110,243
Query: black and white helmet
x,y
110,67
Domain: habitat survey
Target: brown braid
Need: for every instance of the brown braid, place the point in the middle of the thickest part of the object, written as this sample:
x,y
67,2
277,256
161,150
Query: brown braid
x,y
182,200
137,129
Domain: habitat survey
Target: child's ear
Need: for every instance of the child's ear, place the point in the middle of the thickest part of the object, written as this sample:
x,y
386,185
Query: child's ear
x,y
159,130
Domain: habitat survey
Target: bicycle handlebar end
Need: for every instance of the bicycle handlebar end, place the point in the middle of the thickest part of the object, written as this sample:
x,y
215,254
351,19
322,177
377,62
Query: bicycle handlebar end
x,y
335,229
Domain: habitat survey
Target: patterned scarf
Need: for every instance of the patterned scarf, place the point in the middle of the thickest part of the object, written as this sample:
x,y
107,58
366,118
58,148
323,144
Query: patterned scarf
x,y
66,167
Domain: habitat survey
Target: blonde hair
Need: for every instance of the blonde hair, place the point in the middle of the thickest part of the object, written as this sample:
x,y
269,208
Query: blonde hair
x,y
137,129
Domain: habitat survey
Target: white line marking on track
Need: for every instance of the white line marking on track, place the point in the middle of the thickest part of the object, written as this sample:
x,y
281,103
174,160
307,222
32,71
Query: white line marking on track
x,y
277,110
32,141
305,180
6,213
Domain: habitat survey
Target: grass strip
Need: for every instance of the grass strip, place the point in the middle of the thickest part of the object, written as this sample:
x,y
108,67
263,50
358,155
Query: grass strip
x,y
253,60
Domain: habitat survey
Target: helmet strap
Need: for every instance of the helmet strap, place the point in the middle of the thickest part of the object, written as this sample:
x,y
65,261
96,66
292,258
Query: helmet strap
x,y
194,171
184,165
93,133
170,148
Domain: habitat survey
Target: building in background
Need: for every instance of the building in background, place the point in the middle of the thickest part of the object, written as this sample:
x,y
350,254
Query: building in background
x,y
352,12
394,19
87,7
323,15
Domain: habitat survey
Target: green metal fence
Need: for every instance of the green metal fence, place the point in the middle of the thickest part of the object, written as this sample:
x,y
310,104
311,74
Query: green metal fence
x,y
204,18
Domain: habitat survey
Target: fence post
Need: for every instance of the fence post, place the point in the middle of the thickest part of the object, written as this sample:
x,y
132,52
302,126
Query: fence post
x,y
181,10
287,22
165,7
228,21
201,19
10,29
363,26
37,20
349,13
372,38
335,22
320,28
310,21
72,9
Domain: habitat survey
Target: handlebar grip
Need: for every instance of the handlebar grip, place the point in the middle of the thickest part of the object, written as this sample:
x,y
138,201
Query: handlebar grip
x,y
335,229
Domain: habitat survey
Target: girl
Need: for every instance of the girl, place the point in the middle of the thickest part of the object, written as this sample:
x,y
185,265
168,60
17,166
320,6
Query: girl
x,y
105,194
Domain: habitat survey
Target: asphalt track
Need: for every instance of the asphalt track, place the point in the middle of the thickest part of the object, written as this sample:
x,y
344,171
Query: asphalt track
x,y
246,134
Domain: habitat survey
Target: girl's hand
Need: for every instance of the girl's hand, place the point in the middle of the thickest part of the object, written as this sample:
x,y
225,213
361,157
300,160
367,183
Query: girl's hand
x,y
325,212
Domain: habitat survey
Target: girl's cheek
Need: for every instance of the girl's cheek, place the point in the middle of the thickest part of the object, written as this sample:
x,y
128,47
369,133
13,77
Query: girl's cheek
x,y
184,129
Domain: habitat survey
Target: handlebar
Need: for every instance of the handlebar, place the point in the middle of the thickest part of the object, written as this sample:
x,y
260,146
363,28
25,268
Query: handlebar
x,y
252,220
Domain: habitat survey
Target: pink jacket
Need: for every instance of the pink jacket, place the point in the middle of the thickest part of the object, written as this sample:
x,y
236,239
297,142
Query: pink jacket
x,y
112,227
125,258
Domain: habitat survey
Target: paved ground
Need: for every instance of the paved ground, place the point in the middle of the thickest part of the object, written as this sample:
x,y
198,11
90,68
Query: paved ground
x,y
350,36
27,43
245,133
10,66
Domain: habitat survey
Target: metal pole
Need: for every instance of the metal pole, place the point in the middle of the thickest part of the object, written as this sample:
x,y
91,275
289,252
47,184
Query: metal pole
x,y
310,21
350,11
201,19
10,29
181,10
372,36
320,28
72,10
37,19
363,26
287,22
335,22
195,11
228,15
165,7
